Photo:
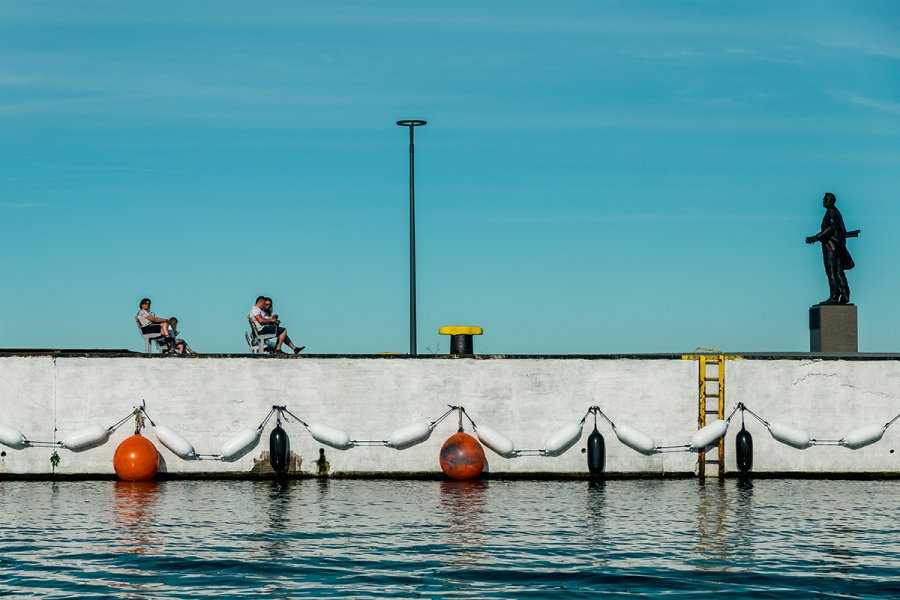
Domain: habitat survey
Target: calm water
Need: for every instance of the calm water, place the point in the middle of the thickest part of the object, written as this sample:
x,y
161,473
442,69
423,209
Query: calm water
x,y
411,539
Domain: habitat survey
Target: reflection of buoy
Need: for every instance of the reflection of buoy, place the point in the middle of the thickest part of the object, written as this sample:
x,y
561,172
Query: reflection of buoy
x,y
462,457
279,447
136,459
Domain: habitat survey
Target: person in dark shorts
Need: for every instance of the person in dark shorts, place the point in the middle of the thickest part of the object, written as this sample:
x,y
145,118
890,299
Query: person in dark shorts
x,y
179,344
149,322
263,323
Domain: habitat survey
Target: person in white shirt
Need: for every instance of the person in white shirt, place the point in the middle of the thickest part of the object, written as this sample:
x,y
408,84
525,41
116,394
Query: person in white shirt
x,y
268,311
149,322
263,323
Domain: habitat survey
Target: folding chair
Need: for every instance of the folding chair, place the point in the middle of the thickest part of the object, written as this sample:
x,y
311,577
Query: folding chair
x,y
257,341
155,338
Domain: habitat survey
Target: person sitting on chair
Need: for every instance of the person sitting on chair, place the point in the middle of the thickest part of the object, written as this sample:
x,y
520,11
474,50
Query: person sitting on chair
x,y
268,312
149,322
270,324
178,343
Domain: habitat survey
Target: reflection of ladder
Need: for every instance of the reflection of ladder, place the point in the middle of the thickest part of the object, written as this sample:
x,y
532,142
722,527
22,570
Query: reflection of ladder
x,y
711,402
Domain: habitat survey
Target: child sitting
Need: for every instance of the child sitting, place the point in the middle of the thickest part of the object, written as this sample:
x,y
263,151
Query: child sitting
x,y
179,344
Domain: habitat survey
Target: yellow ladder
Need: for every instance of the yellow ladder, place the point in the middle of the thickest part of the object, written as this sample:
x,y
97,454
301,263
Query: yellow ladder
x,y
711,379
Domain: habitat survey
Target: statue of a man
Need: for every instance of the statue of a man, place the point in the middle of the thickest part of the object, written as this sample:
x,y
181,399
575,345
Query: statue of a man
x,y
834,251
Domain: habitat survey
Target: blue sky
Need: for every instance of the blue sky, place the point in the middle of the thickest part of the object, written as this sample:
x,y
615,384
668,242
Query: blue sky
x,y
595,177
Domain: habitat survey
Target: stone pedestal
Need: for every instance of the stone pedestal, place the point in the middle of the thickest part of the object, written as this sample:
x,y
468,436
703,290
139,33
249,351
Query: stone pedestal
x,y
832,328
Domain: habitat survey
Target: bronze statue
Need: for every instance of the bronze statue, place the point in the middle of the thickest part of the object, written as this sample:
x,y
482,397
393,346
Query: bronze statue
x,y
834,251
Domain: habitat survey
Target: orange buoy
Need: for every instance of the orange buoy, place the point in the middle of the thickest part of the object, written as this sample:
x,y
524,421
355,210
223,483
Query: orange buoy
x,y
136,459
462,457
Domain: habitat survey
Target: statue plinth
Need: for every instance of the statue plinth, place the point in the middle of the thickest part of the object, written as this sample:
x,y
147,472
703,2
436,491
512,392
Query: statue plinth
x,y
832,328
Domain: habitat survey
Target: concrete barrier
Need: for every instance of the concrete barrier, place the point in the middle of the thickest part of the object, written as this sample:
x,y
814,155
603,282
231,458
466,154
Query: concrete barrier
x,y
207,399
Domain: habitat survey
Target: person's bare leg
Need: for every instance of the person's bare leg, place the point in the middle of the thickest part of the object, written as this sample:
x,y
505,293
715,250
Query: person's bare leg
x,y
291,345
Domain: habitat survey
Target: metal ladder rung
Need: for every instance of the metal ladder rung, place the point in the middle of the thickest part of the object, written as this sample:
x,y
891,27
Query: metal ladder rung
x,y
712,377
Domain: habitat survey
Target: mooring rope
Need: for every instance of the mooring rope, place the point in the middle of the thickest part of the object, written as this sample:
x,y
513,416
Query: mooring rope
x,y
140,413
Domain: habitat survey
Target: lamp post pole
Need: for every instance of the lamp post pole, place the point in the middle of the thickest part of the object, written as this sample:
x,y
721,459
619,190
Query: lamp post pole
x,y
412,124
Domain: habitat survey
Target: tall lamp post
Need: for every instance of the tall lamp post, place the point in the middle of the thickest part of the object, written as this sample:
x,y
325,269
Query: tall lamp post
x,y
412,124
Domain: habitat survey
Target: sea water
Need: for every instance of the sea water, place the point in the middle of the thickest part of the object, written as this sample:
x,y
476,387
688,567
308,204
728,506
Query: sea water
x,y
775,538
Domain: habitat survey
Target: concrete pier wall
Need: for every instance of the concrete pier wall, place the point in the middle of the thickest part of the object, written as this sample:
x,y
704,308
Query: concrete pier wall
x,y
208,399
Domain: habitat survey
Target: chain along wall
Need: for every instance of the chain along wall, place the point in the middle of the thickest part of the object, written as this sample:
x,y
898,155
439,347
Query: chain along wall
x,y
209,399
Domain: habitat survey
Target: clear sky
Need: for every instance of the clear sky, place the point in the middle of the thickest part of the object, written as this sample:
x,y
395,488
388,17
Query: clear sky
x,y
595,177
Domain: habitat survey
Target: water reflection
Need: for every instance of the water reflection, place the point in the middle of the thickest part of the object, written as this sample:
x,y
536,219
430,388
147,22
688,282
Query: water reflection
x,y
278,507
595,506
134,510
509,539
712,535
744,519
595,516
462,506
323,487
843,550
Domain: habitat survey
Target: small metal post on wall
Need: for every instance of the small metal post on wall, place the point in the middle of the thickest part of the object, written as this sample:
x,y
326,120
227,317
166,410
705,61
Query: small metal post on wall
x,y
412,124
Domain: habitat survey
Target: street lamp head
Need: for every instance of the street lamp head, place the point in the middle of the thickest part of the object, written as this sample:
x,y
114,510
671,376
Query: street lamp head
x,y
412,123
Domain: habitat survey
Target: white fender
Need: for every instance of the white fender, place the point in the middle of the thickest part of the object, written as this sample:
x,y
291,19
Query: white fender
x,y
330,436
792,436
10,436
709,434
634,439
496,441
863,436
242,441
410,435
171,439
94,435
562,440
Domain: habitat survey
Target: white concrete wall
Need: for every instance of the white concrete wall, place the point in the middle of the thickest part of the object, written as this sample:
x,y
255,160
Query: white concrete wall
x,y
207,400
827,398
